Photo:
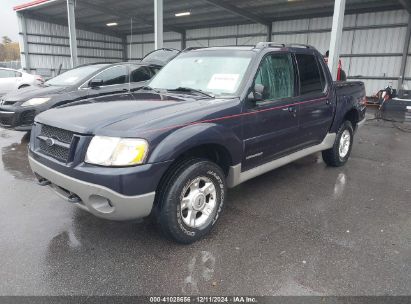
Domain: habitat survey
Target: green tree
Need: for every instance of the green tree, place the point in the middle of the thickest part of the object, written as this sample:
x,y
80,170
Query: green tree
x,y
9,50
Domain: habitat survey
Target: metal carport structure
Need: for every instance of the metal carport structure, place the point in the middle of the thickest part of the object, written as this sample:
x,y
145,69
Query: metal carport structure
x,y
375,42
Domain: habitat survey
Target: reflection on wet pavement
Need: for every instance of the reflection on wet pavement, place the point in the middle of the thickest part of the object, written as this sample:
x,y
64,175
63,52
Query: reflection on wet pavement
x,y
302,229
15,159
200,269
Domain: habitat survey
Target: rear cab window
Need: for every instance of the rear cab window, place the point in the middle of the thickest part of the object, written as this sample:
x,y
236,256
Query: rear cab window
x,y
311,75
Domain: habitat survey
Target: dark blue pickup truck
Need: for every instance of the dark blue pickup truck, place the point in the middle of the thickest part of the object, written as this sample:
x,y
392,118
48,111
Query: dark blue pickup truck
x,y
211,119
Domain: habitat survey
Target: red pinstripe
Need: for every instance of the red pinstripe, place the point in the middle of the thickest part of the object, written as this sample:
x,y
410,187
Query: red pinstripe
x,y
234,116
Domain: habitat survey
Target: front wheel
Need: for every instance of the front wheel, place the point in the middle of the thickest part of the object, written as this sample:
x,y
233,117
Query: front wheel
x,y
338,155
191,200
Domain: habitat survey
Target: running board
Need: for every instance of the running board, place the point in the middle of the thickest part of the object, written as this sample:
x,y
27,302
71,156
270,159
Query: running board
x,y
236,177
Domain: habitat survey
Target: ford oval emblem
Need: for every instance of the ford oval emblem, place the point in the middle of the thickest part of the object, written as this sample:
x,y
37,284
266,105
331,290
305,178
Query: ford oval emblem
x,y
50,142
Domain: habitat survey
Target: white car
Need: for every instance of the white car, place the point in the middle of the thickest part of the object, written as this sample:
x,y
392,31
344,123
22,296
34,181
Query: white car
x,y
11,80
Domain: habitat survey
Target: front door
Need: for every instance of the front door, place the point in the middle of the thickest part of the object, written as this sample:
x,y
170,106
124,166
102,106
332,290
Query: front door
x,y
271,125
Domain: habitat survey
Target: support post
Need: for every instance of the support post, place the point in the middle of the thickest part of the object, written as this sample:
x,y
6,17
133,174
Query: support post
x,y
124,45
72,32
24,47
336,35
158,24
269,31
405,54
183,40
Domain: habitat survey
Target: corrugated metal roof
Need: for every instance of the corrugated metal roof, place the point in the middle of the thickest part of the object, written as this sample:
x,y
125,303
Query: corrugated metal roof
x,y
94,14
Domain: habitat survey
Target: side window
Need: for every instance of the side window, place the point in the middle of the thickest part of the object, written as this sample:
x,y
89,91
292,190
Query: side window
x,y
310,77
114,75
140,73
276,74
17,74
154,71
6,74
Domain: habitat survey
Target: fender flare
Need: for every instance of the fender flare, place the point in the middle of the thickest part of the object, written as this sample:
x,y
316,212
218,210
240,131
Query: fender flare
x,y
188,137
343,108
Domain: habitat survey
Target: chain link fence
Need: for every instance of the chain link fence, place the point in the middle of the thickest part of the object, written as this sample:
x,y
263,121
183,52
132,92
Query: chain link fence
x,y
11,64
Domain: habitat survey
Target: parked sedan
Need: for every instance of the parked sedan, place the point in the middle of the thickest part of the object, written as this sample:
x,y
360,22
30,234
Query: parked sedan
x,y
18,108
11,80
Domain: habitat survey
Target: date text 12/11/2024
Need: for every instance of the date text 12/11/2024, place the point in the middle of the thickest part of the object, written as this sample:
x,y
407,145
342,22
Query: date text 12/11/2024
x,y
203,299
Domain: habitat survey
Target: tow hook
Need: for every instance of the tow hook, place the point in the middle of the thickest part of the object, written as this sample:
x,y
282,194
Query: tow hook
x,y
43,182
74,198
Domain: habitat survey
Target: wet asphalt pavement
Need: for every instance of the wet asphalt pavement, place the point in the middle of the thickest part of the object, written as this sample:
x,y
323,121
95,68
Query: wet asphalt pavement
x,y
304,229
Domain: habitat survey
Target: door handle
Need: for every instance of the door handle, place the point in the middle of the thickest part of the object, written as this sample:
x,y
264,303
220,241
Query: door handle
x,y
327,102
293,110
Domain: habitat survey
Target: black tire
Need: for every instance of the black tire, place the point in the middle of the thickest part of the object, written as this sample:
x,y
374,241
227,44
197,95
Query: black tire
x,y
332,157
169,213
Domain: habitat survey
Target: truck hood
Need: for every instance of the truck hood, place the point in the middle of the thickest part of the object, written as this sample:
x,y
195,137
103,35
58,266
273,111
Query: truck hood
x,y
32,92
125,117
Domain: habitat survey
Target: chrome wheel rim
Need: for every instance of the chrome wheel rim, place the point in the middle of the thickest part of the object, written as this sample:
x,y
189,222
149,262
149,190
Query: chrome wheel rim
x,y
198,203
345,142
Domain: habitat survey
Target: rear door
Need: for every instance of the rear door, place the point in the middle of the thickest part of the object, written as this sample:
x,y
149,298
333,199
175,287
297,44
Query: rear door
x,y
316,104
271,125
115,80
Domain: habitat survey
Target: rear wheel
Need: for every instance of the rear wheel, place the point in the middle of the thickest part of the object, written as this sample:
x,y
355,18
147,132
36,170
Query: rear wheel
x,y
339,154
191,200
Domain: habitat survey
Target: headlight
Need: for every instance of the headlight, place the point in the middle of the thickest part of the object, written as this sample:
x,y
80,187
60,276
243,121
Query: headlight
x,y
116,152
35,101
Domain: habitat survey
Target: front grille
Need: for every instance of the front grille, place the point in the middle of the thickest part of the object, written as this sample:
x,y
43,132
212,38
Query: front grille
x,y
6,120
27,117
57,133
57,152
9,102
60,149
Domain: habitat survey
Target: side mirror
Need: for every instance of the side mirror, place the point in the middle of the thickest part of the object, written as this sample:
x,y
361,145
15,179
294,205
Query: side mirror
x,y
95,83
257,93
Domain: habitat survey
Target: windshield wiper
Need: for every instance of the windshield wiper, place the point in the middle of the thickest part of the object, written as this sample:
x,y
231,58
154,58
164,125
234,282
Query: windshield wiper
x,y
148,88
185,89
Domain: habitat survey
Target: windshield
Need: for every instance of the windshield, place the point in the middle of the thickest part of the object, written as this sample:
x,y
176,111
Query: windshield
x,y
73,76
215,72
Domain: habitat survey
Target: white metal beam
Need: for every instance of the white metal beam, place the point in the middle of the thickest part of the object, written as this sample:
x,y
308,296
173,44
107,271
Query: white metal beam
x,y
336,35
405,54
24,52
158,24
71,17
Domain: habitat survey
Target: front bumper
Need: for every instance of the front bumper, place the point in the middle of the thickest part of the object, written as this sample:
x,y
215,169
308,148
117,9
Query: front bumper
x,y
98,200
17,118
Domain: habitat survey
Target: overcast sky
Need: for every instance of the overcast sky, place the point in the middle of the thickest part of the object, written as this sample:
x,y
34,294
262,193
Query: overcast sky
x,y
8,18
